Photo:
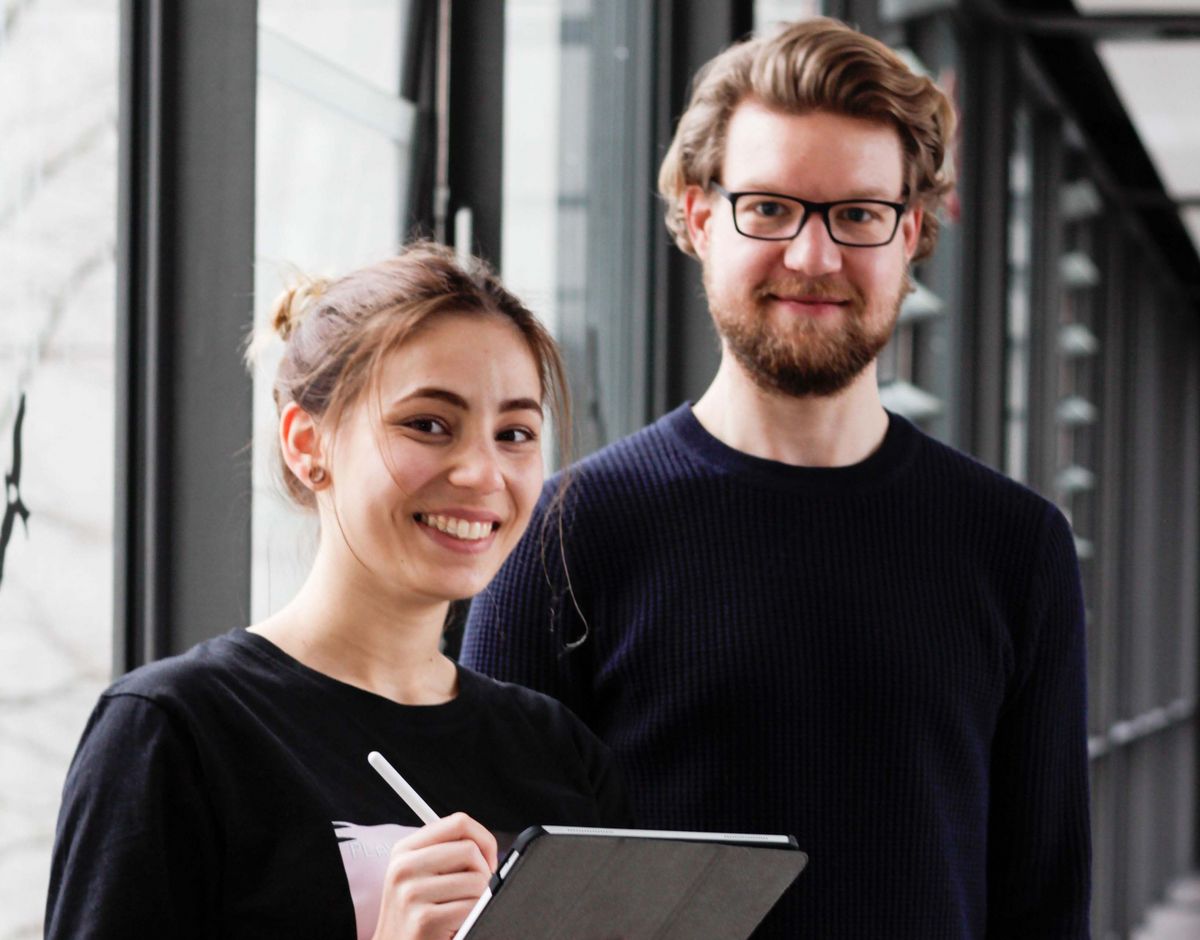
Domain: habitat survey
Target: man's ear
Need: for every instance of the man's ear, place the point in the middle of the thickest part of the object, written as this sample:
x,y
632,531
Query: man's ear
x,y
910,230
300,442
697,213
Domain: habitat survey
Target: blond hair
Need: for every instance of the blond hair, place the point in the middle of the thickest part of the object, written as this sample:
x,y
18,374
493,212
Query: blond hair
x,y
813,65
338,332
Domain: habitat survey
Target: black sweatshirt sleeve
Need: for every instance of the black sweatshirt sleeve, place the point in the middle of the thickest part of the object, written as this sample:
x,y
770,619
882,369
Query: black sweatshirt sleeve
x,y
1039,845
136,850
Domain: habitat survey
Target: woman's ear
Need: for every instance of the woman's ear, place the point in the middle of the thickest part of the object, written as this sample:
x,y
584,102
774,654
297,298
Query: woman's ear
x,y
300,441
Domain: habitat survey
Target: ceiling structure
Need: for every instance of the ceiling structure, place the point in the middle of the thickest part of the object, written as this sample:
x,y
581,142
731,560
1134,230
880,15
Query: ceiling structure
x,y
1158,81
1130,70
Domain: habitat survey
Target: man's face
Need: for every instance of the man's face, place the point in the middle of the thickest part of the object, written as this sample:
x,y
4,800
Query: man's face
x,y
805,316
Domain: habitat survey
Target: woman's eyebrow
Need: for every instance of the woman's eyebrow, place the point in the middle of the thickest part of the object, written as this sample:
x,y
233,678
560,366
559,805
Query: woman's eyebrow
x,y
440,394
521,404
453,398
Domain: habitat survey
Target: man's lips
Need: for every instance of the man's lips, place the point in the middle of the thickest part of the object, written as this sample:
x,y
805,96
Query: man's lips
x,y
808,303
809,299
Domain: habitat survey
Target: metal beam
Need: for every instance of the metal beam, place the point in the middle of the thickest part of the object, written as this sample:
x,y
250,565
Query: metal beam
x,y
1107,26
1152,199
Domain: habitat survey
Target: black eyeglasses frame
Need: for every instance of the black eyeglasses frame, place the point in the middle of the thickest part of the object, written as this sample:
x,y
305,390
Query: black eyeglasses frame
x,y
820,208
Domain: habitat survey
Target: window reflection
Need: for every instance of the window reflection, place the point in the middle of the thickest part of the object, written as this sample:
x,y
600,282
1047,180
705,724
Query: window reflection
x,y
575,192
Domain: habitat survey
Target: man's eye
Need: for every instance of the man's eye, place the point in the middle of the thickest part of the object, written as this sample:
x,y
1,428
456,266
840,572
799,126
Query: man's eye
x,y
770,209
857,215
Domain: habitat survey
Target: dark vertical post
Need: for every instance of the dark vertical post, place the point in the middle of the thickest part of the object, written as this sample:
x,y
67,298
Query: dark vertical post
x,y
477,121
184,297
1046,300
688,352
418,84
983,189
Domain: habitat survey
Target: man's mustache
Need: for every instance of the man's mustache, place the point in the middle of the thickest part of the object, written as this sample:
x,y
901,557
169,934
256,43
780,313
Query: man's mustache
x,y
818,289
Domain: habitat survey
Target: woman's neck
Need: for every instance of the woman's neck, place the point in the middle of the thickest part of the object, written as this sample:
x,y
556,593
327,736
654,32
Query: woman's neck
x,y
343,626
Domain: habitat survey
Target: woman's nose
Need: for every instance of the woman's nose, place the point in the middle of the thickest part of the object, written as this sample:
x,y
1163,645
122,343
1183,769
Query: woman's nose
x,y
476,467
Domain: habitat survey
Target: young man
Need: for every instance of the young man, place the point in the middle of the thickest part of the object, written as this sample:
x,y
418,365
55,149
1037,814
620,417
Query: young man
x,y
784,608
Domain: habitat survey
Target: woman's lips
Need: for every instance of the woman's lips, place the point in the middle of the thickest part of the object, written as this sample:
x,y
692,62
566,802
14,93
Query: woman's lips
x,y
462,530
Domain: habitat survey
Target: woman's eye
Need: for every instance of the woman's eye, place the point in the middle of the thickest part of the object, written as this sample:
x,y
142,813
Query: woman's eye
x,y
516,435
427,425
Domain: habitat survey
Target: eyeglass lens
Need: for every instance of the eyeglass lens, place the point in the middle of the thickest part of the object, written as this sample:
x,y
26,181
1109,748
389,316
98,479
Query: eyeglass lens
x,y
853,223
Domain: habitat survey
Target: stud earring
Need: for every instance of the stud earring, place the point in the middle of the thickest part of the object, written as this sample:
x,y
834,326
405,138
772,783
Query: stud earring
x,y
316,475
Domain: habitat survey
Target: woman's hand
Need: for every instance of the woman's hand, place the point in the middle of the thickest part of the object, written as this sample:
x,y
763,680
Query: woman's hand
x,y
434,878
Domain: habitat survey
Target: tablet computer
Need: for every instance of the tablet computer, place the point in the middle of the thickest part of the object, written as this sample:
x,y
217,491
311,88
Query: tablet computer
x,y
579,883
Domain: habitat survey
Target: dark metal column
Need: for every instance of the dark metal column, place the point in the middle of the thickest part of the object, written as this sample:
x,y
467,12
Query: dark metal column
x,y
987,95
476,117
184,297
686,348
1047,301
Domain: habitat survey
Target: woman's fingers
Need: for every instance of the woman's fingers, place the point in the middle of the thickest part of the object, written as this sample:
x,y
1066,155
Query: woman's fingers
x,y
434,877
429,922
428,891
453,828
445,858
442,889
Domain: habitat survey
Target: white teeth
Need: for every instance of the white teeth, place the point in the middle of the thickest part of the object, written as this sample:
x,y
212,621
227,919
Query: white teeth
x,y
458,528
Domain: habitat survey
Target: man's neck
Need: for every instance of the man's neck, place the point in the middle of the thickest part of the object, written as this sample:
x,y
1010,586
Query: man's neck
x,y
814,431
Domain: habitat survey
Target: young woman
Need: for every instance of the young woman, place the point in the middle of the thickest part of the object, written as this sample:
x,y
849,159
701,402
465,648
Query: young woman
x,y
226,792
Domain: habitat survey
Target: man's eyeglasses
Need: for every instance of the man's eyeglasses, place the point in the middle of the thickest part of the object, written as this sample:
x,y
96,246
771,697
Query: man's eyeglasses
x,y
857,223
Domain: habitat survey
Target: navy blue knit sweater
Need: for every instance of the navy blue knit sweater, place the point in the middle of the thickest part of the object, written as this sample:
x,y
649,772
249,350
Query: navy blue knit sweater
x,y
884,660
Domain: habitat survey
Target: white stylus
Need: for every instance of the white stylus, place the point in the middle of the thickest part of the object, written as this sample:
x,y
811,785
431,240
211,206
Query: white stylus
x,y
402,788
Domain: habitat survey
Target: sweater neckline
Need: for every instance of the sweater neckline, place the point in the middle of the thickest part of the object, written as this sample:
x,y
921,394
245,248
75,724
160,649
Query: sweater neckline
x,y
892,456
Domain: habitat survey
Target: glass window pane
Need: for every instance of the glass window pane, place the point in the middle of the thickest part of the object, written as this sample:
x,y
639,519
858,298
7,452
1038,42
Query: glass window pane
x,y
58,179
576,82
767,12
363,37
532,90
332,170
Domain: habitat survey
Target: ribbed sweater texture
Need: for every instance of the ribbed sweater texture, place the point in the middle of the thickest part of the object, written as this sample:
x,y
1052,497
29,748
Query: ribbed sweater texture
x,y
884,660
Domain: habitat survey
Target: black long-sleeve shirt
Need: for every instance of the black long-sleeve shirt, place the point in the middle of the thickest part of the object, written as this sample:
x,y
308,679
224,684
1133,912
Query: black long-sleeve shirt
x,y
226,793
884,660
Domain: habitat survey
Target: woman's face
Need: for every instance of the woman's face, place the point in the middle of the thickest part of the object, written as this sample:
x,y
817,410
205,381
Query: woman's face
x,y
435,473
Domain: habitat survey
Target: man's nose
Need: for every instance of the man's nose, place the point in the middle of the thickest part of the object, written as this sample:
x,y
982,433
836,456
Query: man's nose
x,y
477,467
813,251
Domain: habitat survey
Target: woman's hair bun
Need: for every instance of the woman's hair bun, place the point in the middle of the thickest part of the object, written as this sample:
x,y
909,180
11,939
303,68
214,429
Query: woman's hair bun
x,y
295,303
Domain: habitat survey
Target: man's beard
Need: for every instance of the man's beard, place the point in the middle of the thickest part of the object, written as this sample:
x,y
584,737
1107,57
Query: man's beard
x,y
805,357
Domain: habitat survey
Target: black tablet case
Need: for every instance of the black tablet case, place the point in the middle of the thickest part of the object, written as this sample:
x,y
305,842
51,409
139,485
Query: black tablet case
x,y
602,887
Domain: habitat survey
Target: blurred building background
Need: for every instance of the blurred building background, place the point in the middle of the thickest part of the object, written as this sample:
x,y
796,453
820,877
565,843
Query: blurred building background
x,y
165,165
